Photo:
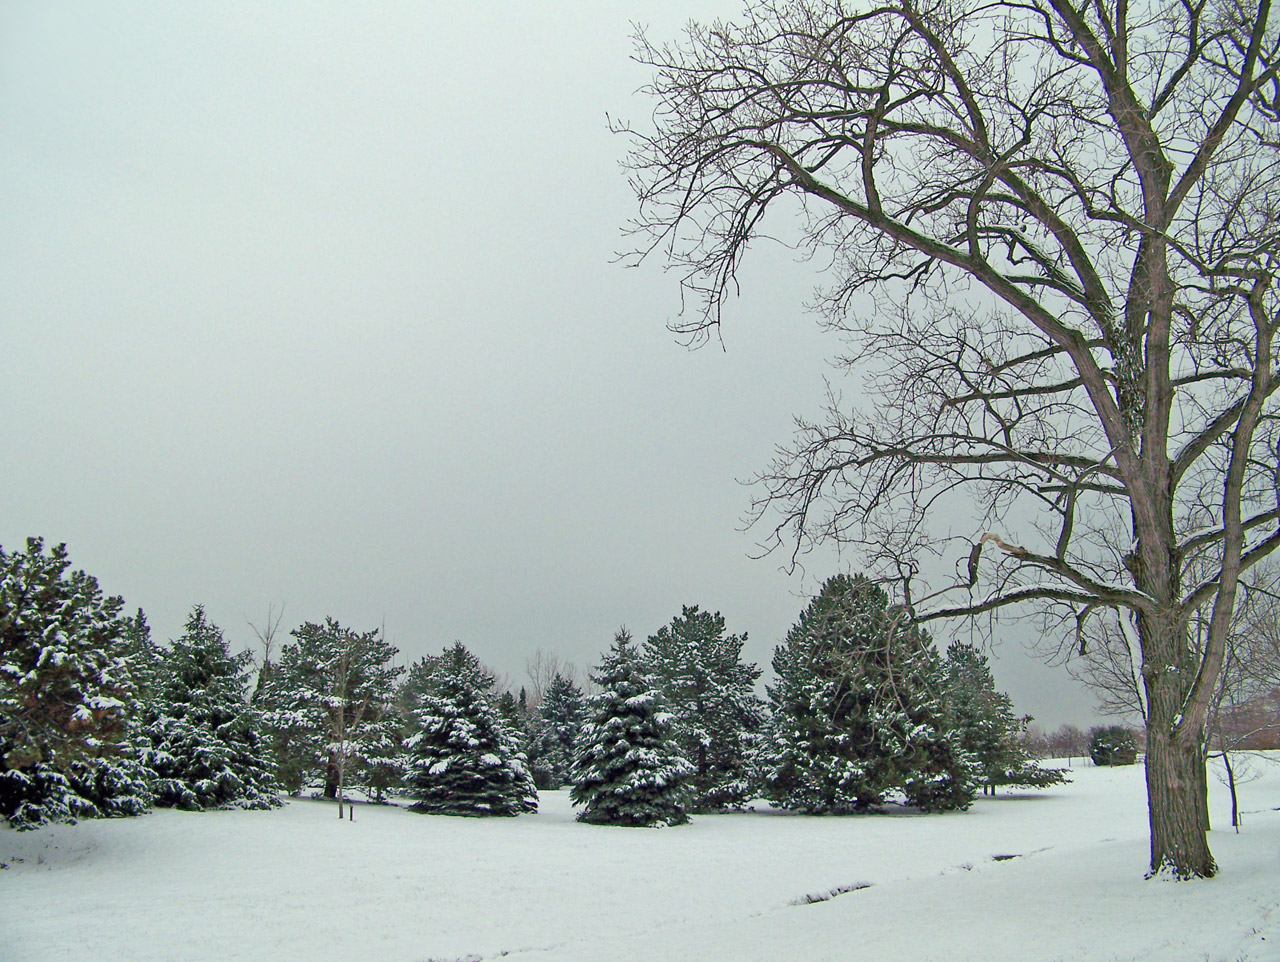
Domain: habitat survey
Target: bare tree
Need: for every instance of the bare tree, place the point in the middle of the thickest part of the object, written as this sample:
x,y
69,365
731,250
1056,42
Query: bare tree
x,y
1051,232
1069,742
1036,742
1245,713
266,635
1253,670
542,667
1109,662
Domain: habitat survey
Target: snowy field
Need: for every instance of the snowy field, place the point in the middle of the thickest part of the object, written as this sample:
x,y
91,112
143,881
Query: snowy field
x,y
393,886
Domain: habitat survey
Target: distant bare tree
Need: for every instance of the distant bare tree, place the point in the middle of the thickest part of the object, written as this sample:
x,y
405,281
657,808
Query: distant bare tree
x,y
1108,664
1069,742
501,680
1036,742
1254,671
1246,710
1064,215
541,668
266,635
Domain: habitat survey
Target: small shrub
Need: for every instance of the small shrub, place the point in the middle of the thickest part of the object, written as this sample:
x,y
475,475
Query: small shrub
x,y
1112,745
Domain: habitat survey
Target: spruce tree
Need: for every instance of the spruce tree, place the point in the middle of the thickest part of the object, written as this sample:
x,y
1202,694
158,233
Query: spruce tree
x,y
711,694
207,746
558,722
330,705
419,680
65,694
119,783
628,769
989,730
857,710
509,710
462,758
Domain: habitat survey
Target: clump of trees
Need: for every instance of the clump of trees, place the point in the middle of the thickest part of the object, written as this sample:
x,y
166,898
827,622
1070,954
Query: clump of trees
x,y
1103,176
97,720
858,710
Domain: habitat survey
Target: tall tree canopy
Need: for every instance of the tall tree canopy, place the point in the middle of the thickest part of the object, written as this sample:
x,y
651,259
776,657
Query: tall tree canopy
x,y
65,687
206,747
628,769
710,692
1065,211
463,758
858,710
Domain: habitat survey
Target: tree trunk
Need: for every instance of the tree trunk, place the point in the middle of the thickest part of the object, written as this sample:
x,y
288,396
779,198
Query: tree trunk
x,y
1231,784
1177,776
331,775
1178,802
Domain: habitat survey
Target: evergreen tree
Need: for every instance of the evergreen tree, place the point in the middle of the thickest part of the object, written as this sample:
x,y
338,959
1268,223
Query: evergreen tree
x,y
710,693
65,692
463,759
523,722
628,769
116,785
989,730
1112,745
559,720
330,705
419,680
509,711
857,710
207,748
119,783
140,654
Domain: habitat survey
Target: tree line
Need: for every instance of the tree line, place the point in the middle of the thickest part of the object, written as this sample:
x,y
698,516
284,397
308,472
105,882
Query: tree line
x,y
98,720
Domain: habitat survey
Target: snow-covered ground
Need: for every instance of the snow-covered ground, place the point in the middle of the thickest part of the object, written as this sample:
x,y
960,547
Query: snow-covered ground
x,y
393,886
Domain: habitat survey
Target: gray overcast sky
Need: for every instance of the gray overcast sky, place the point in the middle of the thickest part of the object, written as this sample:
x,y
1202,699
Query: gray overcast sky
x,y
313,304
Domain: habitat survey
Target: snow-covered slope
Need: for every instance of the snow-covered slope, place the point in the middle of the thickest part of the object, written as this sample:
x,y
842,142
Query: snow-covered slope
x,y
394,886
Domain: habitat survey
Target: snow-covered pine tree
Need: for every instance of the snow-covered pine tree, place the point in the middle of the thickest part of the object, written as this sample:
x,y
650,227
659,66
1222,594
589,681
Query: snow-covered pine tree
x,y
419,680
140,653
711,694
207,747
510,712
330,706
628,769
989,730
118,783
379,769
462,758
559,719
65,691
1112,745
857,710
